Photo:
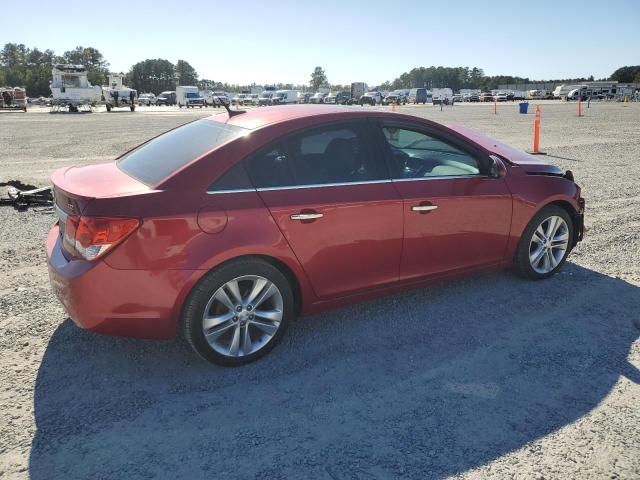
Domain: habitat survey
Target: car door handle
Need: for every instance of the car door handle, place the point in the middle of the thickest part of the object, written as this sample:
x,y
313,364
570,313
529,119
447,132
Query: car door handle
x,y
306,216
423,208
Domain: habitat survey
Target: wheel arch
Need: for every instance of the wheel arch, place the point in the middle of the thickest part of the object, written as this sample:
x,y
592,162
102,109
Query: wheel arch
x,y
286,270
573,214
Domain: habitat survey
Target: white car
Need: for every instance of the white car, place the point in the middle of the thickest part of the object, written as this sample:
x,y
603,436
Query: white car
x,y
371,98
318,97
239,99
147,99
250,99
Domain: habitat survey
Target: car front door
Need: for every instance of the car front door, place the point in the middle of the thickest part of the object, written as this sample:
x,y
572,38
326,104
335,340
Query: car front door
x,y
456,216
331,196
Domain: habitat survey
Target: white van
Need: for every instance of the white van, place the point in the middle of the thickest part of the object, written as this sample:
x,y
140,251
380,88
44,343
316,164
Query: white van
x,y
283,97
442,95
188,97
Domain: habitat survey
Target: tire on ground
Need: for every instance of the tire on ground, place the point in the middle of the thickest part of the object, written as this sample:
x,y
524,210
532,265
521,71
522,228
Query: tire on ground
x,y
522,264
193,310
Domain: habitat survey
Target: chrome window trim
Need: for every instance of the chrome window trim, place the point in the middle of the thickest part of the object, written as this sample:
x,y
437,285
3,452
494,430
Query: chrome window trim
x,y
441,177
344,184
321,185
239,190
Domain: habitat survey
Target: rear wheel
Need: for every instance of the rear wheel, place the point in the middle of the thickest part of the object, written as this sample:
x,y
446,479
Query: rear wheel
x,y
238,312
545,243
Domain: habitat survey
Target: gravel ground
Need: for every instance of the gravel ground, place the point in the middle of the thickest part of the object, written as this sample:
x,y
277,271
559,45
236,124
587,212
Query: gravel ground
x,y
485,377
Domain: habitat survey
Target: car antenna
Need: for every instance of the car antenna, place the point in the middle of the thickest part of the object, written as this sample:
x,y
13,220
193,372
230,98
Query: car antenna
x,y
229,111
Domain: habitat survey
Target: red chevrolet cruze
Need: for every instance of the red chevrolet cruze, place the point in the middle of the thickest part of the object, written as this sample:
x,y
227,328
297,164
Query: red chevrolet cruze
x,y
228,227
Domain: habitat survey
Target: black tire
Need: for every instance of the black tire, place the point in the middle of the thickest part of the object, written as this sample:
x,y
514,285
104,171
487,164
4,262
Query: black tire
x,y
522,264
193,310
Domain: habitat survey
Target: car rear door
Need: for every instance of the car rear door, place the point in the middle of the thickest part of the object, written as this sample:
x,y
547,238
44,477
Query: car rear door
x,y
455,216
331,196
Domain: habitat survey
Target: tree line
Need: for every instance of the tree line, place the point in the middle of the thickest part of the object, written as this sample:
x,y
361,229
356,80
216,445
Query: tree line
x,y
31,68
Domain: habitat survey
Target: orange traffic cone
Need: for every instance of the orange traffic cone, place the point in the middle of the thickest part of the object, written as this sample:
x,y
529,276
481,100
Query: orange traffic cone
x,y
536,133
580,106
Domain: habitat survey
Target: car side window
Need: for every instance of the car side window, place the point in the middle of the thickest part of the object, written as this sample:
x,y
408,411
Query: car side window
x,y
235,178
325,155
269,168
337,154
418,155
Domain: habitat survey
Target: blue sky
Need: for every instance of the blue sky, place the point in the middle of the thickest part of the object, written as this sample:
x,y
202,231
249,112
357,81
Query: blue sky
x,y
282,41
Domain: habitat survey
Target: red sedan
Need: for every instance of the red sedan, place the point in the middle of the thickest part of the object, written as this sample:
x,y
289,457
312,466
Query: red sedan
x,y
228,227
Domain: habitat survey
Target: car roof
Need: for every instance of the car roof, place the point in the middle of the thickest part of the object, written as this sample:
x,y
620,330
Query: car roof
x,y
260,117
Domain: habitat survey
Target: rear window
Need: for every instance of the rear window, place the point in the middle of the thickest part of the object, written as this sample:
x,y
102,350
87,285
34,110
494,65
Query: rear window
x,y
159,158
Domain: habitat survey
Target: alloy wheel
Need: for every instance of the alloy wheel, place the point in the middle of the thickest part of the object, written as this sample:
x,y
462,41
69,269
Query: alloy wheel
x,y
242,316
549,244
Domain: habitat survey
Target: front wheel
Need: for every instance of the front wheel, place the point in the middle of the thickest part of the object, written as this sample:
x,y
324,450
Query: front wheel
x,y
545,243
238,312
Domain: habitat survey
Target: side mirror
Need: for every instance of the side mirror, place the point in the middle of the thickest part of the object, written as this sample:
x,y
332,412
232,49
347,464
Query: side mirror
x,y
496,169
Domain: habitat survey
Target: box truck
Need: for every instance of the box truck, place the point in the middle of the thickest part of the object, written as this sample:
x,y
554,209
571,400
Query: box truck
x,y
187,96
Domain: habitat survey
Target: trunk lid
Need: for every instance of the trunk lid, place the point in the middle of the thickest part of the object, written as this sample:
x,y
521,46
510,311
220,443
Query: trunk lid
x,y
75,187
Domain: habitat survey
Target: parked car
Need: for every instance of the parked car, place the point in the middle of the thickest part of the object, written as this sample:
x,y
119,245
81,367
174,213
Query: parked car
x,y
305,97
166,98
250,99
330,99
472,97
458,98
501,97
225,236
418,95
239,99
318,97
147,99
343,98
265,98
217,99
371,98
395,97
486,97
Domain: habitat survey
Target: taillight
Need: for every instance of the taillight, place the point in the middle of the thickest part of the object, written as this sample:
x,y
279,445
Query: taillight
x,y
91,237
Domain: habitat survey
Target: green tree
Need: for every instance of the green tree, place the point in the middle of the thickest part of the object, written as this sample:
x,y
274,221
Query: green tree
x,y
23,67
97,67
318,78
626,74
185,73
152,76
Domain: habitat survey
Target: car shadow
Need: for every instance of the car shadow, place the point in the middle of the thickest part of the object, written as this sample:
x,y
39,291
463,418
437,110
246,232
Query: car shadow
x,y
425,384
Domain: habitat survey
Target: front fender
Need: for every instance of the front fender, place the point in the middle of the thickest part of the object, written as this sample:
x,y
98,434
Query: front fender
x,y
531,193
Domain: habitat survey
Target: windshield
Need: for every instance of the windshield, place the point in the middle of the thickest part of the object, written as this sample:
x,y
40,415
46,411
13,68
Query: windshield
x,y
192,95
266,95
157,159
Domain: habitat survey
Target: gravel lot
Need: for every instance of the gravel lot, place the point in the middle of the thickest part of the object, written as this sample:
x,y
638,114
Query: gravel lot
x,y
486,377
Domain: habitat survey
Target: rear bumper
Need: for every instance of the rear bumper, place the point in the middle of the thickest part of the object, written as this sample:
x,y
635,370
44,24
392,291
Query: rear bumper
x,y
130,303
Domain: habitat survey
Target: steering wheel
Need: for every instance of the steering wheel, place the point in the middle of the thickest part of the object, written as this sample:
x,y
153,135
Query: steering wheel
x,y
411,167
